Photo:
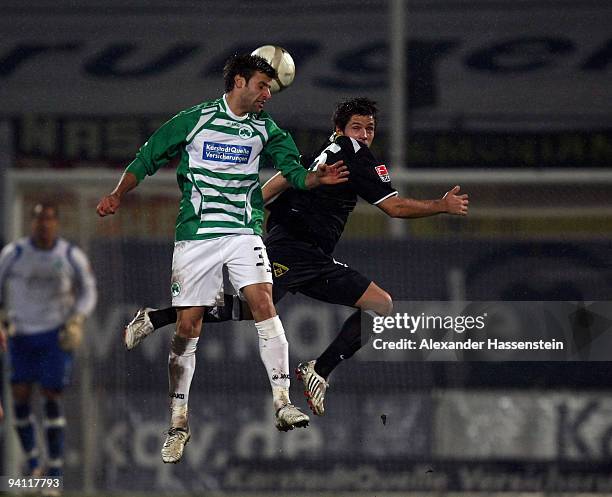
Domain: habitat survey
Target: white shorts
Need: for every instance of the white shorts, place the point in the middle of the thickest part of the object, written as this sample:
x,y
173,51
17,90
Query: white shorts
x,y
197,267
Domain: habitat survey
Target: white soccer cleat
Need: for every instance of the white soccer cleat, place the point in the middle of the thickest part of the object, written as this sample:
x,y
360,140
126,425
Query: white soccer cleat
x,y
177,438
289,417
314,386
139,328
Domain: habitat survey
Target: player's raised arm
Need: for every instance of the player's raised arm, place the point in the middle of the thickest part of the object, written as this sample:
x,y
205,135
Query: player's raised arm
x,y
451,203
162,146
325,175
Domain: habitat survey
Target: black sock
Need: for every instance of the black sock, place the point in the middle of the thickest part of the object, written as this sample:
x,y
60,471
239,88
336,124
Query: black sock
x,y
224,312
162,317
344,345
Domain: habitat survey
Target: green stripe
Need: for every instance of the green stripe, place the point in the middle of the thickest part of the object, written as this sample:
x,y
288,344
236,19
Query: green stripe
x,y
205,114
223,200
237,190
230,176
240,217
223,129
220,224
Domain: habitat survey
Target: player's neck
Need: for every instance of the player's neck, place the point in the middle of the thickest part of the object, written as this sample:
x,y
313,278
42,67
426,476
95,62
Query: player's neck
x,y
233,102
43,243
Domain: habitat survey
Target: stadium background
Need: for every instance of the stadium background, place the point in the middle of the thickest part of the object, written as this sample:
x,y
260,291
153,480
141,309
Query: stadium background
x,y
510,99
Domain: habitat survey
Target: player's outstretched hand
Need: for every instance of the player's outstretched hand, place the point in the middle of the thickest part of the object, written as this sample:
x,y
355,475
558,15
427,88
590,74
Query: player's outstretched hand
x,y
455,203
108,205
332,174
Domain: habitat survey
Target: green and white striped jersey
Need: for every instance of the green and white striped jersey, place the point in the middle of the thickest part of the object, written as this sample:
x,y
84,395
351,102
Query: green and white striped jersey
x,y
218,169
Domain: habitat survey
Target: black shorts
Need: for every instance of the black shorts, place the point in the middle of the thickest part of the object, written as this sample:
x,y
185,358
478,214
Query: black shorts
x,y
303,267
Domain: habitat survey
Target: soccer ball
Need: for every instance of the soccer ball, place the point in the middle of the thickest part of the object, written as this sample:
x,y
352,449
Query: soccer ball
x,y
280,60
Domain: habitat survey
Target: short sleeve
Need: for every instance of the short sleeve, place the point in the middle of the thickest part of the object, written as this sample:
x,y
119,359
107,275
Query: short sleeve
x,y
369,178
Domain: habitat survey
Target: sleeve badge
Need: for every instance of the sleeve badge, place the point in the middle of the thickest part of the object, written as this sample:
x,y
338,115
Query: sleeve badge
x,y
383,174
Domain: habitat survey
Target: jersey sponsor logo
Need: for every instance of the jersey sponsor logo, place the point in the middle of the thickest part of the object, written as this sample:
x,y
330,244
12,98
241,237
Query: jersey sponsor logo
x,y
226,152
279,269
383,174
175,395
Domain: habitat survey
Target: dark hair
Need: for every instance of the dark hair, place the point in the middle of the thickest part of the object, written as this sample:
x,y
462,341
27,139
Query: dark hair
x,y
44,205
245,65
360,106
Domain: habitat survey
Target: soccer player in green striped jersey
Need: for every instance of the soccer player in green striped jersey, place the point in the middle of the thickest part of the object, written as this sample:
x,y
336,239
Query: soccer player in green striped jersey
x,y
218,145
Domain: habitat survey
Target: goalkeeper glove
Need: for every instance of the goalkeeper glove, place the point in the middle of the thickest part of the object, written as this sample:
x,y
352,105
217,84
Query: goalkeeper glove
x,y
71,335
6,328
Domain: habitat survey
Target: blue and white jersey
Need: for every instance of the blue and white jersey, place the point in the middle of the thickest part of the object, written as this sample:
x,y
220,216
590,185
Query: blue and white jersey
x,y
41,289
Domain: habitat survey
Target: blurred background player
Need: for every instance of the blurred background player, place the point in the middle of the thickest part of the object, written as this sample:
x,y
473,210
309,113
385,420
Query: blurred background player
x,y
220,223
303,230
47,289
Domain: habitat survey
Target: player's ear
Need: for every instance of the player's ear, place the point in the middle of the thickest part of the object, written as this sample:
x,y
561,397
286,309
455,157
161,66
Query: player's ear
x,y
338,131
239,81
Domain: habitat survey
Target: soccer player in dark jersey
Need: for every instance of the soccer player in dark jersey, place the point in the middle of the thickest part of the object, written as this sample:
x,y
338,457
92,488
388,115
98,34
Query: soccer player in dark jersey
x,y
302,231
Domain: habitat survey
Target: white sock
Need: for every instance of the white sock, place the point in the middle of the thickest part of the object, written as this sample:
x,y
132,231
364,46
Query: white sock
x,y
274,352
181,366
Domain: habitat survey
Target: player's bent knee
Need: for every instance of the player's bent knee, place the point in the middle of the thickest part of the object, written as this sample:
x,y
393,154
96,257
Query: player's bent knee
x,y
380,304
375,300
383,303
188,328
386,304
